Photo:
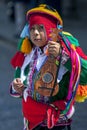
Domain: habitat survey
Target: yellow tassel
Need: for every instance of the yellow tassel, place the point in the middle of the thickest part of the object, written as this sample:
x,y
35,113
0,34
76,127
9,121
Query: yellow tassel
x,y
80,98
26,46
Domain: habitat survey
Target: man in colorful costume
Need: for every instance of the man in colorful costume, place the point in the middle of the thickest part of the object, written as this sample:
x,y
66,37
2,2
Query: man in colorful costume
x,y
54,111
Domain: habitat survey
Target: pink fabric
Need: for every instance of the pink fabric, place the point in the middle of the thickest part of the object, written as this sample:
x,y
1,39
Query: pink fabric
x,y
81,53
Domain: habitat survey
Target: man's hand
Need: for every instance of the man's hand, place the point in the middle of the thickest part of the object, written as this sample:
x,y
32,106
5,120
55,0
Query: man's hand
x,y
18,85
54,48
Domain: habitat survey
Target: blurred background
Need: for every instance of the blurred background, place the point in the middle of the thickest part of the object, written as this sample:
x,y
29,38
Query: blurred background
x,y
12,20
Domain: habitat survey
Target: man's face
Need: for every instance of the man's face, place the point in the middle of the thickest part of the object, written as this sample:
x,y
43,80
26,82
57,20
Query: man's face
x,y
38,35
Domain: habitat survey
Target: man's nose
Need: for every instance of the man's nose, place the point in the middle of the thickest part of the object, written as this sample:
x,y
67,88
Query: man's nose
x,y
36,31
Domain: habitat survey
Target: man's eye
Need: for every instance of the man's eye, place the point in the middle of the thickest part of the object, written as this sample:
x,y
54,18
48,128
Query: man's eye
x,y
41,26
32,29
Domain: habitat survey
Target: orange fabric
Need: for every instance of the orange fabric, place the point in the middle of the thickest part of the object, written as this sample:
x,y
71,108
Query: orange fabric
x,y
81,94
82,90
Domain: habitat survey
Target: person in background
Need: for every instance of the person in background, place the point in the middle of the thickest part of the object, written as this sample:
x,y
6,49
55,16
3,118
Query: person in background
x,y
20,8
50,71
19,12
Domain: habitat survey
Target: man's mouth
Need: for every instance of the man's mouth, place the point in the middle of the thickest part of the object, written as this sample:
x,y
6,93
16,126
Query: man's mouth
x,y
37,39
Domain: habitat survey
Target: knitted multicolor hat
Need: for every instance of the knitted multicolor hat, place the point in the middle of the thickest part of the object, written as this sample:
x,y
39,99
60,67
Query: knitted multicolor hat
x,y
45,9
44,15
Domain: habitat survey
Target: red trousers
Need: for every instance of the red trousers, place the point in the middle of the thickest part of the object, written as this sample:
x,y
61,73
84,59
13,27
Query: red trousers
x,y
36,112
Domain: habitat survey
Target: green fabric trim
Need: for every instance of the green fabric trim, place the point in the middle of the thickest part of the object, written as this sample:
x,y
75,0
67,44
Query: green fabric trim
x,y
72,39
26,73
68,65
17,72
63,88
83,75
20,43
66,110
26,70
